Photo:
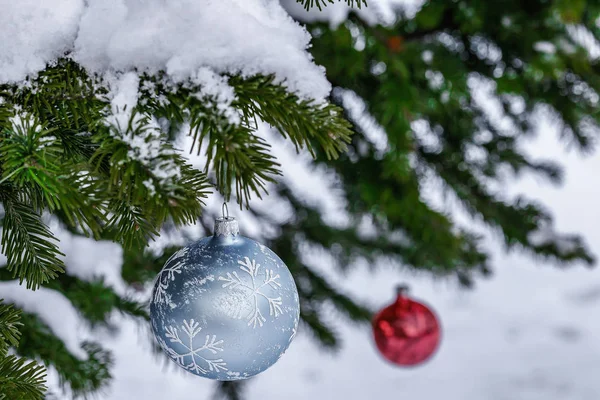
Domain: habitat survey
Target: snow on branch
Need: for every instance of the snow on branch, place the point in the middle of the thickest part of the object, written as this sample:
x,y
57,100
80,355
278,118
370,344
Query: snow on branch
x,y
546,240
239,37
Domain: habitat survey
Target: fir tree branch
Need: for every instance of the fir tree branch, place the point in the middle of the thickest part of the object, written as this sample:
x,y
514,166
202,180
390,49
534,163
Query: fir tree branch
x,y
140,267
300,121
32,157
121,190
20,379
83,376
9,327
129,225
13,173
147,173
516,220
321,291
28,244
65,97
95,300
312,319
238,157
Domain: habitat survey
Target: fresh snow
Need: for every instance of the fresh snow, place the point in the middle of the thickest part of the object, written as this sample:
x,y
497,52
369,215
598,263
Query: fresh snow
x,y
546,235
35,32
181,37
77,250
53,309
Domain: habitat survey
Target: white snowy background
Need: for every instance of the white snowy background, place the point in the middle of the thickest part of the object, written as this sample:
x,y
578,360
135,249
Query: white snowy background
x,y
528,333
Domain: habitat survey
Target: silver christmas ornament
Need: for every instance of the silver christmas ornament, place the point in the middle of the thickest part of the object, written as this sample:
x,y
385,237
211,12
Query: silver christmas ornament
x,y
225,307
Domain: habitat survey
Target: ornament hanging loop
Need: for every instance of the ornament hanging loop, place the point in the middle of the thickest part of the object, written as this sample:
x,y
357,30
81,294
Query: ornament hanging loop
x,y
225,209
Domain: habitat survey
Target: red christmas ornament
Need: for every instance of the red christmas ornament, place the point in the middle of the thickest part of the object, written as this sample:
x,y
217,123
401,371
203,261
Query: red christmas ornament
x,y
406,332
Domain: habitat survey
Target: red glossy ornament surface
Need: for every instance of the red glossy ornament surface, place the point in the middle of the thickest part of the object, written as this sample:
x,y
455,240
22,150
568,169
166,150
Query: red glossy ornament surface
x,y
406,332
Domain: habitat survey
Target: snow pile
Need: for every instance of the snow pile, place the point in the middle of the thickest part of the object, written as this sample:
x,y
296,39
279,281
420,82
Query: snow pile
x,y
181,37
106,267
35,32
47,304
545,235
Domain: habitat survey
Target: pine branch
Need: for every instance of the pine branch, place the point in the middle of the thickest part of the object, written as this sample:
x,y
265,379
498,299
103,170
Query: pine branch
x,y
321,291
140,267
147,173
129,225
9,327
225,132
28,244
83,376
20,379
65,97
129,179
308,4
300,121
516,220
31,156
95,300
237,156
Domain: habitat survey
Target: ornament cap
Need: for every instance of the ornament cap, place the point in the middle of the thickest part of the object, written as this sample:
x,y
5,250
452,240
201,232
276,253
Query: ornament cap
x,y
226,225
402,289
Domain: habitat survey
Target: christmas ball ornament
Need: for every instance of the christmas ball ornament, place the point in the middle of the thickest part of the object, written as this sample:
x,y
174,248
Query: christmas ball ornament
x,y
225,307
407,333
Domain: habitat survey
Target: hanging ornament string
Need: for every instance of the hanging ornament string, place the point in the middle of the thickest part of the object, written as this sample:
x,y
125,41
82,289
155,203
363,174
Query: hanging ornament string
x,y
225,307
223,209
407,332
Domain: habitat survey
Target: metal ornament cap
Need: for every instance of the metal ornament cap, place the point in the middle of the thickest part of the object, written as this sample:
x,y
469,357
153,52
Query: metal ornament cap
x,y
226,226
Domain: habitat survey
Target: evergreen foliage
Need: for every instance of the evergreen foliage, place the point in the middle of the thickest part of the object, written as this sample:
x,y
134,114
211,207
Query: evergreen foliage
x,y
417,79
19,378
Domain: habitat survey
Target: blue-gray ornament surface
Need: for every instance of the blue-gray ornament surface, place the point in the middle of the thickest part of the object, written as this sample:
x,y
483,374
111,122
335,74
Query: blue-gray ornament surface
x,y
225,307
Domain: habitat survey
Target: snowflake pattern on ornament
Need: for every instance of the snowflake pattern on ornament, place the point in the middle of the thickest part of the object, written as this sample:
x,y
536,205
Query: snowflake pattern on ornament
x,y
167,275
192,360
234,281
